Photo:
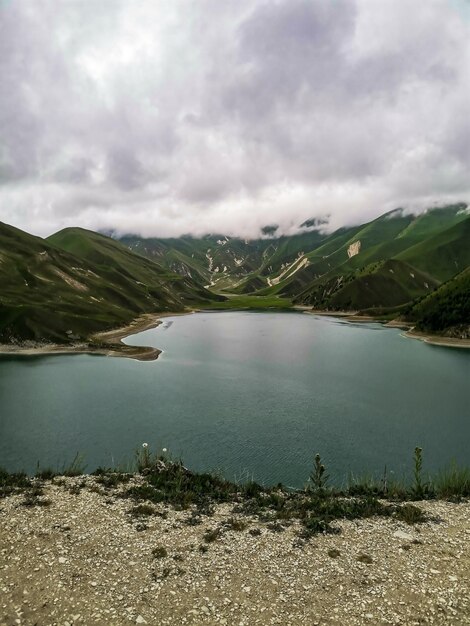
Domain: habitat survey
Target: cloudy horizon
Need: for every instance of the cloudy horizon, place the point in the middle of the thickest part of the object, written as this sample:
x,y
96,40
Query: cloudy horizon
x,y
173,117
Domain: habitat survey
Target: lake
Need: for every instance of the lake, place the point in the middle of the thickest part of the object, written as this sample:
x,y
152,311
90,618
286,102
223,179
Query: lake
x,y
254,395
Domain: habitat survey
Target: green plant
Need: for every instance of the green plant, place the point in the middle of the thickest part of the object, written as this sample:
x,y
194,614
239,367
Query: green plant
x,y
110,480
417,470
142,510
318,477
76,467
143,458
45,474
410,514
12,483
32,497
453,482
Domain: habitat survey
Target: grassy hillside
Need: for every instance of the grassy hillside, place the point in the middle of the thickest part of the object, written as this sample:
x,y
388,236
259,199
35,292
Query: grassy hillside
x,y
118,264
447,310
444,254
381,265
77,283
368,280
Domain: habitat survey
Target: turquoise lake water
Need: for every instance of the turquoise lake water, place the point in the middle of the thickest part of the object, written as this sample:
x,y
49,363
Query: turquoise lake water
x,y
250,394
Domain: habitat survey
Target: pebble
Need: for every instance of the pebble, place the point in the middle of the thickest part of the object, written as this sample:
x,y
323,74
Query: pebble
x,y
243,579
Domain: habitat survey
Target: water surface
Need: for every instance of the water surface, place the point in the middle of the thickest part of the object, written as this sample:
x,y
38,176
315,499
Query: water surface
x,y
251,394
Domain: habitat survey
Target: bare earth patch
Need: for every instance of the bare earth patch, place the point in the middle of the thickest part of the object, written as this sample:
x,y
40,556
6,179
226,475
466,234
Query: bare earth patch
x,y
84,559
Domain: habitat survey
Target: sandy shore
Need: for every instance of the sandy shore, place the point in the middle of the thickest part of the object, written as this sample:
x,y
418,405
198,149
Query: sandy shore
x,y
437,340
86,560
353,316
107,343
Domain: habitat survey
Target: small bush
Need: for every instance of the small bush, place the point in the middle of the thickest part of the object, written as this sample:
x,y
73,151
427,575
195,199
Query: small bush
x,y
160,552
141,510
410,514
251,489
13,483
212,535
112,479
45,474
235,523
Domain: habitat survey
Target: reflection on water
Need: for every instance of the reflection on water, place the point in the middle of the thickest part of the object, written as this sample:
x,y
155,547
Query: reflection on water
x,y
253,393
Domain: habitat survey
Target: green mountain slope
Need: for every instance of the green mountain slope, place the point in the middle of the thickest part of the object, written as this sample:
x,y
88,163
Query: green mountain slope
x,y
50,293
363,281
225,262
350,268
118,264
77,282
444,254
447,310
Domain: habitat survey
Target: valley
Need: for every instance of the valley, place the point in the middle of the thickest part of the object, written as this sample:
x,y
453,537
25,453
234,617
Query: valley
x,y
75,284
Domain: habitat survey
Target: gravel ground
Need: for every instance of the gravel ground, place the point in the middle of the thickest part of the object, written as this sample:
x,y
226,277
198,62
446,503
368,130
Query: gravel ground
x,y
83,559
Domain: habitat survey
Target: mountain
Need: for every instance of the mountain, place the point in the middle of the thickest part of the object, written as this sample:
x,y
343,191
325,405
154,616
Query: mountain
x,y
78,282
377,267
221,261
447,310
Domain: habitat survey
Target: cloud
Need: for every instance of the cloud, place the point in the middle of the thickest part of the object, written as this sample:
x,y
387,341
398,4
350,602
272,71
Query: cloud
x,y
164,118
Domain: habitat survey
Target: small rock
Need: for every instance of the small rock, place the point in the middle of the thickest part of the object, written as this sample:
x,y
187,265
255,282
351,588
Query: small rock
x,y
400,534
140,620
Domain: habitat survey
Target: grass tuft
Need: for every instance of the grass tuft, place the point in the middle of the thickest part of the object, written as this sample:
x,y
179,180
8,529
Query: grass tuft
x,y
453,482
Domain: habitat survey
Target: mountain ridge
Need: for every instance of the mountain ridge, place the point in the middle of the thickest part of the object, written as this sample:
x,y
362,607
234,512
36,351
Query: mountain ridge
x,y
78,282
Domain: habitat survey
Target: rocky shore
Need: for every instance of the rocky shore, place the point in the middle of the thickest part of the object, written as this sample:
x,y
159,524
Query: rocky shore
x,y
78,553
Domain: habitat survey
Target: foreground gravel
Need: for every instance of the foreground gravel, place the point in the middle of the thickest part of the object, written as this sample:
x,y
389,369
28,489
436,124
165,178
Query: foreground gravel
x,y
84,559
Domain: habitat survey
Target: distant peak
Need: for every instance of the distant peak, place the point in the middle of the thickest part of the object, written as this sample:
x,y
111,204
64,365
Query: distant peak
x,y
270,230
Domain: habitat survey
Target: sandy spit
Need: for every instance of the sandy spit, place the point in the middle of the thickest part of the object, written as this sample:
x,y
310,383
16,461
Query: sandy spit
x,y
85,560
111,338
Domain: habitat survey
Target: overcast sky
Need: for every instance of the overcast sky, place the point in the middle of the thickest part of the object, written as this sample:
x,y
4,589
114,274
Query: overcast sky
x,y
163,117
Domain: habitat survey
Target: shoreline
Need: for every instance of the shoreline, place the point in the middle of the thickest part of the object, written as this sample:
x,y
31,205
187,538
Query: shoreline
x,y
437,340
410,333
112,340
114,346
